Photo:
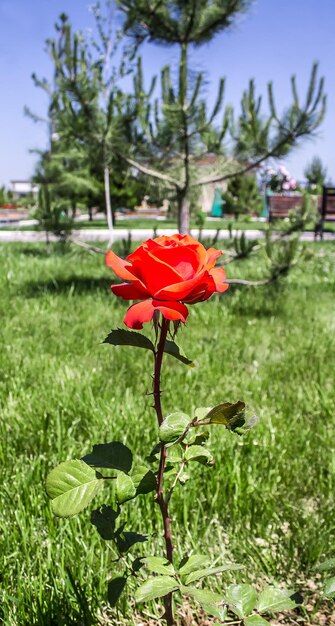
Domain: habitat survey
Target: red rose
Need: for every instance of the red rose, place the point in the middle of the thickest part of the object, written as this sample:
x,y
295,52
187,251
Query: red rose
x,y
166,273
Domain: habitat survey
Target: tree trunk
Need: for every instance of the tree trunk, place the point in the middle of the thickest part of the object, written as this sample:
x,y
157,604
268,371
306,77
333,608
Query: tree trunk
x,y
108,205
183,216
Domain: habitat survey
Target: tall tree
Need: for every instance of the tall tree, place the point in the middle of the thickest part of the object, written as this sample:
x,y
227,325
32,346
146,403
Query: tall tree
x,y
178,128
315,173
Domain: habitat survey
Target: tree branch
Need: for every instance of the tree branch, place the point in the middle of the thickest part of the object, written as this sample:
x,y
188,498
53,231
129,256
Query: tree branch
x,y
150,172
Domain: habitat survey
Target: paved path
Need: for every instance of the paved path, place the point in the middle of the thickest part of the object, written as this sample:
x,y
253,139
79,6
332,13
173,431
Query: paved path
x,y
137,234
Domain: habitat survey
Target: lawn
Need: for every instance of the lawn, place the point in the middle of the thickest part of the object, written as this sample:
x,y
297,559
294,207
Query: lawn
x,y
268,502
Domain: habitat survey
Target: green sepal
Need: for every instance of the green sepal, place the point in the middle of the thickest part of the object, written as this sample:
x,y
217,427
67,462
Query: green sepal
x,y
172,349
156,587
122,337
113,455
71,486
173,427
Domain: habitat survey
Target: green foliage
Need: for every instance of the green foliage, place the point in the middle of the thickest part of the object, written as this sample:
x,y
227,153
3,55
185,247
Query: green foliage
x,y
72,486
54,398
316,174
242,196
51,216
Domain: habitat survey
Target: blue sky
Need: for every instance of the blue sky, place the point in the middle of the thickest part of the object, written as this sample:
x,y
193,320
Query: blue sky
x,y
275,39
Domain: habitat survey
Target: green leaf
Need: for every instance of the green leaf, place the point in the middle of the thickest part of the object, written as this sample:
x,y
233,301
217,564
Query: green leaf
x,y
233,416
159,565
329,589
200,454
175,351
125,541
227,413
175,454
125,488
121,337
115,588
144,480
206,598
173,427
192,563
256,620
201,412
72,486
273,599
326,566
211,571
242,599
114,455
104,520
156,588
196,437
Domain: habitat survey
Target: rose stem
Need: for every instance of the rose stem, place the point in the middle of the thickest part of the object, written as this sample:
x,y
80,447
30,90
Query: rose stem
x,y
159,493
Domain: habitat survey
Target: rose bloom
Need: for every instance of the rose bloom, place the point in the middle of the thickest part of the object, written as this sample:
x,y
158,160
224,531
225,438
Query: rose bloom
x,y
166,273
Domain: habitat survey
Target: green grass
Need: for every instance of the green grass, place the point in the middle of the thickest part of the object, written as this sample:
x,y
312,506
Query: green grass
x,y
269,500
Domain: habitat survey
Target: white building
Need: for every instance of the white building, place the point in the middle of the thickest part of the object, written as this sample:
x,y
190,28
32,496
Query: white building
x,y
23,188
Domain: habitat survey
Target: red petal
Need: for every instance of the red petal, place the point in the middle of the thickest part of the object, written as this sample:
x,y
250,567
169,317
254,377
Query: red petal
x,y
183,260
172,310
180,291
143,312
139,313
131,291
212,255
219,276
119,266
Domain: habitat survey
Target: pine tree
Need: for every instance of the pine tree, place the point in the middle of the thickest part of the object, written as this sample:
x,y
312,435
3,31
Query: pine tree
x,y
316,174
178,128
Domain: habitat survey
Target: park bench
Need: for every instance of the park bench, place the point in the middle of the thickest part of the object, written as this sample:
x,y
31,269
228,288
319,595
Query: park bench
x,y
327,210
280,206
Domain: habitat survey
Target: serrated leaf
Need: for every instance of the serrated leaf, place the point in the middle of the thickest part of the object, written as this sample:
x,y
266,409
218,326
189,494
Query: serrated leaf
x,y
173,427
104,520
125,488
329,589
175,454
192,563
202,411
121,337
113,455
72,486
159,565
115,589
256,620
156,588
211,571
196,437
126,540
144,480
227,413
241,599
172,349
273,599
203,596
200,454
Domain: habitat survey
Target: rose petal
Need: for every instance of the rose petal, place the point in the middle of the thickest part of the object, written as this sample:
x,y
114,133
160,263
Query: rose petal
x,y
212,255
219,277
131,291
120,267
142,312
